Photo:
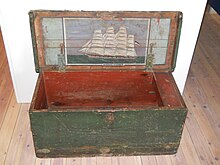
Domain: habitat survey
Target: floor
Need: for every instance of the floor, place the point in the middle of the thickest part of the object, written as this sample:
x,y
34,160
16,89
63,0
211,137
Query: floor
x,y
200,143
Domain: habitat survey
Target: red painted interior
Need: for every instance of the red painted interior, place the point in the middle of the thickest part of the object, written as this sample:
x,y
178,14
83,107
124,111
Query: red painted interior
x,y
40,101
168,90
108,89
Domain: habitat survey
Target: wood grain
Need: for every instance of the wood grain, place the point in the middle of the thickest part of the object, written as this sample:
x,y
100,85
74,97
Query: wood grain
x,y
102,89
18,136
7,128
6,87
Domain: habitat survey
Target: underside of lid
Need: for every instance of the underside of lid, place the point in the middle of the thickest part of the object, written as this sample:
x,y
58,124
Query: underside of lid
x,y
76,40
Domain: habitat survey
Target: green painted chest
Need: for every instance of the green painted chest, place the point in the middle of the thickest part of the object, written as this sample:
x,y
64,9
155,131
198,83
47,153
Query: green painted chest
x,y
105,85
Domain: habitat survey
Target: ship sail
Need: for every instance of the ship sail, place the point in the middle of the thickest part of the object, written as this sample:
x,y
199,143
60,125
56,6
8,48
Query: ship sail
x,y
130,46
94,46
121,40
110,45
109,42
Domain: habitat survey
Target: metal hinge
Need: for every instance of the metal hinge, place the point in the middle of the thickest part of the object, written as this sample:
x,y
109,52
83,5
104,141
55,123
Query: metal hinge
x,y
61,59
150,58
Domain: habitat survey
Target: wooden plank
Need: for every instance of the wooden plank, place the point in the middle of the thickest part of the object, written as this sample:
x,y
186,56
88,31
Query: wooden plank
x,y
216,19
8,127
211,38
6,90
28,146
149,160
39,161
163,159
86,161
207,63
130,160
18,135
137,160
2,55
198,139
28,151
2,50
209,98
207,85
202,69
188,148
93,161
89,161
211,57
103,160
5,97
178,158
73,161
202,92
115,160
58,161
206,128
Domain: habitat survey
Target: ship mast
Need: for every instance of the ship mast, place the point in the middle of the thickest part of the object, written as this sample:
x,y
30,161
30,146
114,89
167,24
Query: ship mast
x,y
130,46
121,40
110,45
97,46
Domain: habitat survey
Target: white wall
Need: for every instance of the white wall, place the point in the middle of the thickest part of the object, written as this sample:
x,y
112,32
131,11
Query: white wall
x,y
14,23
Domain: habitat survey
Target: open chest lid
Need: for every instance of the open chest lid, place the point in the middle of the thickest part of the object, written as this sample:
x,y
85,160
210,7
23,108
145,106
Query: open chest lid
x,y
76,40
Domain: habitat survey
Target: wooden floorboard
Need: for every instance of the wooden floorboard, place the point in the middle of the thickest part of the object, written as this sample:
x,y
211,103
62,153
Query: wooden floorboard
x,y
18,137
200,142
6,88
179,157
7,127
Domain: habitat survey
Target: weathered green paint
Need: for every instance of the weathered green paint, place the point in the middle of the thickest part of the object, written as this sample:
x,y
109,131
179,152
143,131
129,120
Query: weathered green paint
x,y
32,18
69,134
180,20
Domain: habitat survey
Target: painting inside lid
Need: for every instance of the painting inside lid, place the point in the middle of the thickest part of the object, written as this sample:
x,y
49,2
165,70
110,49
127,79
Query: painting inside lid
x,y
94,41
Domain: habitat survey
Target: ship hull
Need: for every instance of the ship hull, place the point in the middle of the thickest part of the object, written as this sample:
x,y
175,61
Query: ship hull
x,y
111,57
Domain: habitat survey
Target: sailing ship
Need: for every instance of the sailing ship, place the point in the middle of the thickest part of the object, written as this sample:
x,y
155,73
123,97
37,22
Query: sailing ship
x,y
110,45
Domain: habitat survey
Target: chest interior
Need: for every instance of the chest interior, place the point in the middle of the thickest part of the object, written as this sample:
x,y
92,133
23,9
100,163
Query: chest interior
x,y
111,90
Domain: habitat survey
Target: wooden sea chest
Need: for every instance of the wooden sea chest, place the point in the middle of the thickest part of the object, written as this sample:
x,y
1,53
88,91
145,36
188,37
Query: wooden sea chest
x,y
105,84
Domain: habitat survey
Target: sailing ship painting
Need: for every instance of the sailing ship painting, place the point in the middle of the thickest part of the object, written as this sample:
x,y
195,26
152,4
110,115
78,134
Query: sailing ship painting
x,y
110,44
91,41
